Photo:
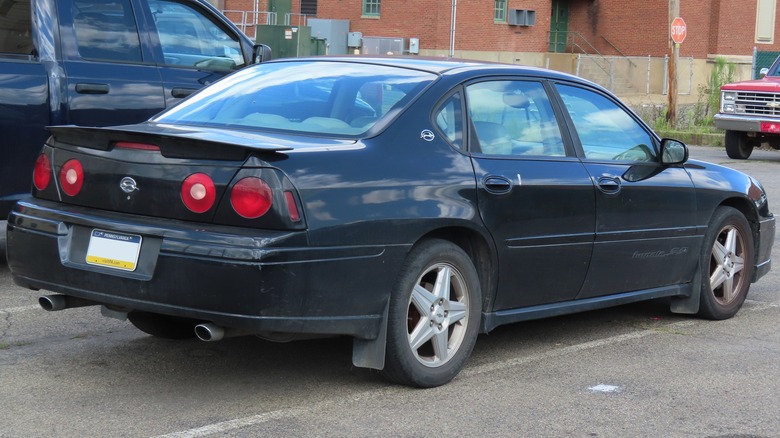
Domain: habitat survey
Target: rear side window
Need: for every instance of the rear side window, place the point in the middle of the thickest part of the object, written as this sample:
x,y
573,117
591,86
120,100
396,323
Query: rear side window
x,y
106,30
189,38
15,27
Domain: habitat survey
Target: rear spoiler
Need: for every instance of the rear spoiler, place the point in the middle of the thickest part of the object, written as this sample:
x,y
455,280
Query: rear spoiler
x,y
173,141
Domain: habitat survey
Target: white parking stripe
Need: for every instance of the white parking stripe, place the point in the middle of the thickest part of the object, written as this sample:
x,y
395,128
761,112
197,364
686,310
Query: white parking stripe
x,y
238,423
19,309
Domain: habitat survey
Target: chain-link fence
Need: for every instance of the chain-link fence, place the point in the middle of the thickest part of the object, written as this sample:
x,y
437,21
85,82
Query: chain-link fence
x,y
762,59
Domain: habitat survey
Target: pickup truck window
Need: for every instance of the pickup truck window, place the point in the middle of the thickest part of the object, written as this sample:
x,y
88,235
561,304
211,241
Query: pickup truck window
x,y
189,38
107,30
15,27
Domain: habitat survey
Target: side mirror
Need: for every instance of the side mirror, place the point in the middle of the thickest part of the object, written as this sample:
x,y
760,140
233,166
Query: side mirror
x,y
260,53
673,151
763,72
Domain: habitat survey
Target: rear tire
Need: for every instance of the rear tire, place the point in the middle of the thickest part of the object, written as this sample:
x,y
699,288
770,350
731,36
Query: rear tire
x,y
163,326
738,145
434,316
727,264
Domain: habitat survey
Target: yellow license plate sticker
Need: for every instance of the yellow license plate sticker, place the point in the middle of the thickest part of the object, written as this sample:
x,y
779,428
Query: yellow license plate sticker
x,y
114,250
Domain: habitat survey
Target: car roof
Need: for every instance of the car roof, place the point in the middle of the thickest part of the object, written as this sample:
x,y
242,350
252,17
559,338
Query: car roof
x,y
441,65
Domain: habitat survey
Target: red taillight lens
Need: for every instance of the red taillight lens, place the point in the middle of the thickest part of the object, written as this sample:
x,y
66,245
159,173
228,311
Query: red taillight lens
x,y
251,198
292,207
198,192
136,146
42,172
71,177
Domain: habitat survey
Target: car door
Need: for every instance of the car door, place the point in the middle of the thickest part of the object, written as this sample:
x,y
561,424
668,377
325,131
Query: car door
x,y
24,102
192,48
535,198
645,212
111,78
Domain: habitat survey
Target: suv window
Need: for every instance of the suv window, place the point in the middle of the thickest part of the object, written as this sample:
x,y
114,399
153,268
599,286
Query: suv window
x,y
107,30
606,131
16,27
189,38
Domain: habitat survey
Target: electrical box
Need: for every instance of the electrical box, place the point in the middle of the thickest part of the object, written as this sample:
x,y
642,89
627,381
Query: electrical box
x,y
286,41
383,46
414,46
521,17
354,39
334,32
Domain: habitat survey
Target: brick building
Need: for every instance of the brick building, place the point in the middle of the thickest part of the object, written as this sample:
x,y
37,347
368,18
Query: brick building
x,y
551,33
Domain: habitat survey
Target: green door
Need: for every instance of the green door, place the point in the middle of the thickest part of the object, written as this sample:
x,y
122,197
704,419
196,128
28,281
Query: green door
x,y
282,8
559,26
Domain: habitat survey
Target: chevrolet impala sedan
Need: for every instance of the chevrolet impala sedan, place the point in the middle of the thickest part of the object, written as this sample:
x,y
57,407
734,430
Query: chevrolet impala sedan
x,y
408,203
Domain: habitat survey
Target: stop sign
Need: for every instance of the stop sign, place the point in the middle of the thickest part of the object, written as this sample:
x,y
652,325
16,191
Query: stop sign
x,y
679,30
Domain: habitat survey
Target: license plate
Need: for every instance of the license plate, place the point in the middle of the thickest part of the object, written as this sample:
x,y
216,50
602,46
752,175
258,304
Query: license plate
x,y
114,250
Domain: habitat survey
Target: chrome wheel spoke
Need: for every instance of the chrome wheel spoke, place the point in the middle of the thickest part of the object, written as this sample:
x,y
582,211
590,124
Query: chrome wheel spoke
x,y
442,287
718,277
422,299
422,333
457,311
441,345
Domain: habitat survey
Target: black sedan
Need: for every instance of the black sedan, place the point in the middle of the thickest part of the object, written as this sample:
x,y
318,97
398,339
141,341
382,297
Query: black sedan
x,y
408,203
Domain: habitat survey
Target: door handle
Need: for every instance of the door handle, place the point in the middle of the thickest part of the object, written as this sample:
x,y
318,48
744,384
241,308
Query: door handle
x,y
182,92
497,185
92,88
609,184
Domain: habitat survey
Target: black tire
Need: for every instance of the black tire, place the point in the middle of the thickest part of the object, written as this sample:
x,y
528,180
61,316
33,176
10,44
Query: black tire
x,y
434,321
738,145
727,264
163,326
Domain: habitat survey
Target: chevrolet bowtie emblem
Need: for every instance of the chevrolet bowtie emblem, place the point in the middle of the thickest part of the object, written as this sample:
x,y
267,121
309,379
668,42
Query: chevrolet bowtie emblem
x,y
128,185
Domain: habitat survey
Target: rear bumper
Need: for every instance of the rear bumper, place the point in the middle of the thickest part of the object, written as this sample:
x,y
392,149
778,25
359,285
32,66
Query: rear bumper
x,y
255,280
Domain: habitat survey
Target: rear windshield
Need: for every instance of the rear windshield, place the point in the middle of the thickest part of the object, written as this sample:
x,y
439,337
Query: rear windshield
x,y
339,98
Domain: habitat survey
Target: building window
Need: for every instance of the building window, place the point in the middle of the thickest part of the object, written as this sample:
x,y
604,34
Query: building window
x,y
499,13
309,7
765,21
371,7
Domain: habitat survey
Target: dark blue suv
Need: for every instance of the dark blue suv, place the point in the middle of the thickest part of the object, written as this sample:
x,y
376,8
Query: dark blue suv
x,y
99,63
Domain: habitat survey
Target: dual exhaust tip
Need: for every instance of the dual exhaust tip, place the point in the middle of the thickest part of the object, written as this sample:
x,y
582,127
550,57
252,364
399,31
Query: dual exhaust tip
x,y
207,332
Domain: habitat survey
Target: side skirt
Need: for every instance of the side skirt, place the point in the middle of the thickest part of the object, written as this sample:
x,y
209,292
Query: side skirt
x,y
494,319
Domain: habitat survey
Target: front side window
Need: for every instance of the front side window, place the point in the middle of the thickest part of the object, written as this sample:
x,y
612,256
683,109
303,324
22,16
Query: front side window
x,y
188,38
499,11
513,118
16,28
371,7
333,98
106,30
606,131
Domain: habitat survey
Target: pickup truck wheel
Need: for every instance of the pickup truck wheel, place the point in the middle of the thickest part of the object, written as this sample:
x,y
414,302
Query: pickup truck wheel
x,y
434,316
727,262
163,326
738,145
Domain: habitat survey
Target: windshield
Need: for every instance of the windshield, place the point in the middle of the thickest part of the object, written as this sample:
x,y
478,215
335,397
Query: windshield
x,y
336,98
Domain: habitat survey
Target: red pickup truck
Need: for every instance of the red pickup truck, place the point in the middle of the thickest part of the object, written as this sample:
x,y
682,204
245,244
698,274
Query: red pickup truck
x,y
750,113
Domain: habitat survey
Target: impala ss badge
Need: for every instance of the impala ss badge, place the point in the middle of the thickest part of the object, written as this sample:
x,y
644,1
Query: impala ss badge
x,y
128,185
427,135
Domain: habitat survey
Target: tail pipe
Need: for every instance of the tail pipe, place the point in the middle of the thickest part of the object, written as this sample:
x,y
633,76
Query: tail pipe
x,y
209,332
62,302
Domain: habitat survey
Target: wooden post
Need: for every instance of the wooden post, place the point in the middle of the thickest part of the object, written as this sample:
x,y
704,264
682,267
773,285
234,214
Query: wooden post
x,y
671,113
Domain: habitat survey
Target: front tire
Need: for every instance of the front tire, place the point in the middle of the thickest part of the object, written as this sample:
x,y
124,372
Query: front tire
x,y
738,145
728,258
434,316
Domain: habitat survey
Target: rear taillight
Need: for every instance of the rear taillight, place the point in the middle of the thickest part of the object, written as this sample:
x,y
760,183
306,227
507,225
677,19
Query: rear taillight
x,y
71,177
251,197
292,207
42,172
198,192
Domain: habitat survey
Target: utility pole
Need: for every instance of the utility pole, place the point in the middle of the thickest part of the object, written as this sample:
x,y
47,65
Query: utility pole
x,y
671,113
